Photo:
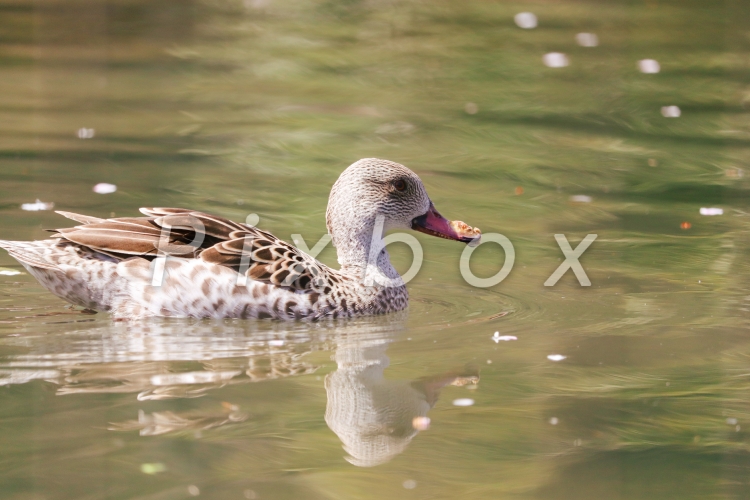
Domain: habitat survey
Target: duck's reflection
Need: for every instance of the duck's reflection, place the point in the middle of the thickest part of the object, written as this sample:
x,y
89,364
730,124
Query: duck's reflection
x,y
159,360
376,418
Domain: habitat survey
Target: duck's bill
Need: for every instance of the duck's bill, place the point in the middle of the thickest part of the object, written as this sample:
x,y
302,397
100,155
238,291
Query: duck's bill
x,y
436,225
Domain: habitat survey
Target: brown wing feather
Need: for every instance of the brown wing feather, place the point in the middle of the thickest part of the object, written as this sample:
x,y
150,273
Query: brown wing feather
x,y
215,257
109,240
147,222
112,225
216,227
259,254
127,236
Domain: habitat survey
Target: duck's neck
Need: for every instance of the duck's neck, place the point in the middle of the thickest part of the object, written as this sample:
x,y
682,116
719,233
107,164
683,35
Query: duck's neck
x,y
362,254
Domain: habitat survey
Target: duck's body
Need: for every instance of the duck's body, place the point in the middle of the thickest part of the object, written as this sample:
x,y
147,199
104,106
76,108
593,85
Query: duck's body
x,y
184,263
193,288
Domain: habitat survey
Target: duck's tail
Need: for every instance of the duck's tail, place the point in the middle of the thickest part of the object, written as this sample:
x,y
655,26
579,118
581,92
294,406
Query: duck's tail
x,y
36,254
63,271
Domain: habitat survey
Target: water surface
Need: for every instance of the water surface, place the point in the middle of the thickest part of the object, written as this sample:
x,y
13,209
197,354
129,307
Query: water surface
x,y
255,107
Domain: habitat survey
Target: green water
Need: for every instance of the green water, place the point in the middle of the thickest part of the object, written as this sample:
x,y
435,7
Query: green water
x,y
256,107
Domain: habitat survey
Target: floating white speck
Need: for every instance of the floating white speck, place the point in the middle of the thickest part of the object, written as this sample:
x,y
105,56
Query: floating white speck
x,y
471,108
587,39
105,188
410,484
670,111
525,20
421,423
86,133
463,402
9,272
580,198
193,490
276,343
555,60
732,421
37,206
554,421
505,338
556,357
649,66
711,211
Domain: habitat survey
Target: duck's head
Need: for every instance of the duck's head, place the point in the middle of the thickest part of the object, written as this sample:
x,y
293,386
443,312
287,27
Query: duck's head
x,y
370,188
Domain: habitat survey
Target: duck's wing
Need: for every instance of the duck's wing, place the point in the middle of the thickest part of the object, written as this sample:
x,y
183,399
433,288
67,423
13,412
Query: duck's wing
x,y
248,250
263,257
191,234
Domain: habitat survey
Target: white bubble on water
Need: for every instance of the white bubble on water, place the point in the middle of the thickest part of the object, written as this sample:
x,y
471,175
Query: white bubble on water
x,y
410,484
670,112
555,60
193,490
556,357
711,211
37,206
525,20
587,39
463,402
580,198
86,133
104,188
554,421
649,66
505,338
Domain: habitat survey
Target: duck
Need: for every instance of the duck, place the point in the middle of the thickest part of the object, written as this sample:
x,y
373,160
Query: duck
x,y
177,262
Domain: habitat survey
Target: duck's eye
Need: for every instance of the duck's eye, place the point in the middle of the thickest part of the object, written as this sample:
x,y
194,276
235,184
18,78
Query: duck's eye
x,y
400,185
